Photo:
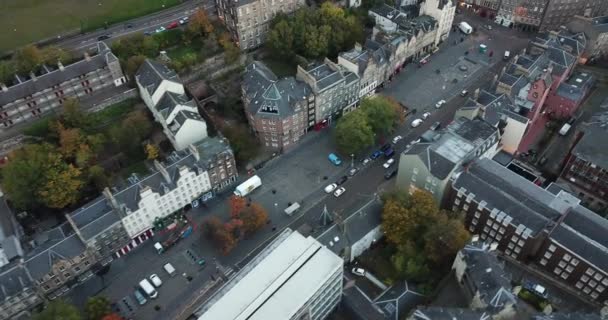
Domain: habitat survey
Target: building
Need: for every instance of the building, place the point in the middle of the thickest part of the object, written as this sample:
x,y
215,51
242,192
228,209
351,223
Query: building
x,y
279,111
483,279
443,11
163,92
564,102
429,164
560,13
30,98
586,170
248,21
336,89
548,229
440,313
490,7
18,296
596,32
292,278
370,65
521,14
10,234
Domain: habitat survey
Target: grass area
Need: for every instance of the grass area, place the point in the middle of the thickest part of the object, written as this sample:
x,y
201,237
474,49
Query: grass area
x,y
180,51
280,68
112,113
26,21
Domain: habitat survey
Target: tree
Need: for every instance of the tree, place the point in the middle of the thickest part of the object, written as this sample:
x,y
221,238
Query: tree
x,y
98,177
280,40
254,218
406,217
353,133
97,307
139,125
199,23
112,316
210,227
51,55
151,151
444,238
380,114
231,51
27,59
73,116
133,64
63,185
243,143
25,173
237,204
7,72
225,240
58,309
150,47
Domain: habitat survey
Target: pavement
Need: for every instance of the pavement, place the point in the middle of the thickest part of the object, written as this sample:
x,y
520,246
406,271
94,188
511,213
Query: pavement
x,y
298,176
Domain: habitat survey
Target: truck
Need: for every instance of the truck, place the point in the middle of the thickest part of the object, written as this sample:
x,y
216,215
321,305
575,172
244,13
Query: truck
x,y
148,288
564,130
465,27
246,187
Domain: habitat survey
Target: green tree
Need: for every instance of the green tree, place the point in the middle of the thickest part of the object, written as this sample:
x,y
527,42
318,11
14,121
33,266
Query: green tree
x,y
150,47
407,217
353,133
444,238
97,307
73,116
98,177
316,41
25,174
380,113
132,65
27,59
58,309
53,54
280,40
7,72
243,143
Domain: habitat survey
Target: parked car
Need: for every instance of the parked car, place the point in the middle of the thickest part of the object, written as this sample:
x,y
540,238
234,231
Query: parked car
x,y
339,192
103,37
426,115
389,163
173,25
341,180
396,139
334,159
331,188
536,289
390,173
156,280
366,161
439,104
352,171
376,154
416,123
160,29
141,299
169,269
464,93
359,272
385,147
435,125
184,20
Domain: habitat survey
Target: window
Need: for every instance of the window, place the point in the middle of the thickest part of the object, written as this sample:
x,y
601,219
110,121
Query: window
x,y
552,248
543,261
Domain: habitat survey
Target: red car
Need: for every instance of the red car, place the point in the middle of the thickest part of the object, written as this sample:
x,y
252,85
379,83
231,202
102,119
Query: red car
x,y
173,25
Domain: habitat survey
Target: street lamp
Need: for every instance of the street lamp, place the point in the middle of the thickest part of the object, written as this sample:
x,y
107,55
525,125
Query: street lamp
x,y
276,210
352,160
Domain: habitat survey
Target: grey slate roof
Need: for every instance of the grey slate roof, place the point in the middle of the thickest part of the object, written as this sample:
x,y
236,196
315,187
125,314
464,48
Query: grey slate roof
x,y
476,131
41,259
42,82
398,300
360,304
325,76
502,106
270,96
576,87
491,280
7,220
152,73
567,316
170,100
504,190
94,217
440,313
593,146
14,280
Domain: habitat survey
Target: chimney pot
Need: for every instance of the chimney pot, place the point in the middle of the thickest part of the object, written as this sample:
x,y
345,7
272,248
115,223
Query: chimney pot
x,y
4,87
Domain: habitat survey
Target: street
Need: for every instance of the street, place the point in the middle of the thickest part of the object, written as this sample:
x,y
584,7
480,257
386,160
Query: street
x,y
300,176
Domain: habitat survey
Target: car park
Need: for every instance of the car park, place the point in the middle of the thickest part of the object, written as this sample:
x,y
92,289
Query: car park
x,y
352,171
339,192
389,163
416,123
439,104
376,154
141,299
390,173
426,115
330,188
435,126
359,272
396,139
156,280
341,180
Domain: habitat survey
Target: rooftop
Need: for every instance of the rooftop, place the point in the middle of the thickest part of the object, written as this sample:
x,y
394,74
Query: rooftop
x,y
398,300
324,75
277,282
440,313
152,73
576,87
593,146
476,131
94,217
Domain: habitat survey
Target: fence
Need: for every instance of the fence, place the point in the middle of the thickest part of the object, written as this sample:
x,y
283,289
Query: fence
x,y
132,93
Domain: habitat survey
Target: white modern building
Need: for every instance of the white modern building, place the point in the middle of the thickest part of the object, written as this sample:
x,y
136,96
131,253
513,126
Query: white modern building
x,y
162,91
293,278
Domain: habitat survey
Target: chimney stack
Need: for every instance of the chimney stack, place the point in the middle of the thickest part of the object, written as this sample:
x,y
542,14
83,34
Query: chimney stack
x,y
476,94
194,152
4,87
108,195
162,171
358,46
33,76
87,57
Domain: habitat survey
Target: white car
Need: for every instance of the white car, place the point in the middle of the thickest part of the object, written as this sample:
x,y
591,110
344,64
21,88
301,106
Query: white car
x,y
439,104
416,123
183,20
416,141
359,272
389,163
160,29
426,115
331,188
339,192
396,139
156,280
366,161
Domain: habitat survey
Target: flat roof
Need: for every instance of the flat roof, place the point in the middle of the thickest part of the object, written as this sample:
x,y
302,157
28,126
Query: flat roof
x,y
277,283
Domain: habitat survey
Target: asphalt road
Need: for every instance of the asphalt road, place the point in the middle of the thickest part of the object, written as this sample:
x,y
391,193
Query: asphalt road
x,y
298,176
147,23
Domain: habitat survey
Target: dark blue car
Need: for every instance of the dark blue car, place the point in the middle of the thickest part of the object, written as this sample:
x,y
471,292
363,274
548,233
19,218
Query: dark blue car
x,y
376,154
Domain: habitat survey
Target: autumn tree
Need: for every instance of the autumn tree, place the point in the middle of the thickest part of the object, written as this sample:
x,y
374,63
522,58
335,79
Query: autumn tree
x,y
58,309
225,240
63,185
353,133
96,308
27,59
112,316
151,151
210,226
73,116
200,24
231,51
254,218
236,204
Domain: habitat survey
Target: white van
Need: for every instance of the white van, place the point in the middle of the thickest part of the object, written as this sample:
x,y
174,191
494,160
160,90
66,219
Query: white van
x,y
507,55
148,288
169,268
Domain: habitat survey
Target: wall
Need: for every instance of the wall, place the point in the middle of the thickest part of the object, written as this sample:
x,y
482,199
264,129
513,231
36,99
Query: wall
x,y
190,132
512,135
364,243
131,93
